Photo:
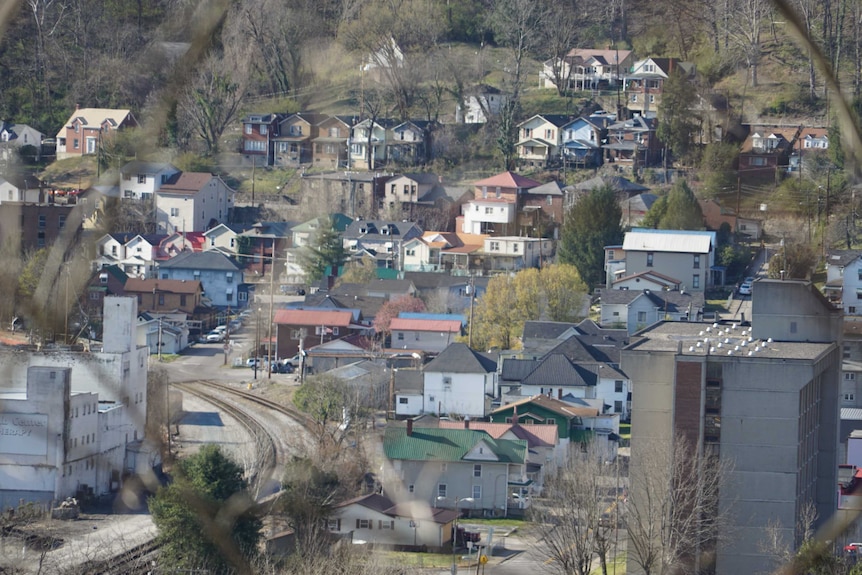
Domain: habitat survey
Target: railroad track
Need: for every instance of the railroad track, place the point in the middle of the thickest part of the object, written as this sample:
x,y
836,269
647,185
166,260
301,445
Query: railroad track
x,y
134,561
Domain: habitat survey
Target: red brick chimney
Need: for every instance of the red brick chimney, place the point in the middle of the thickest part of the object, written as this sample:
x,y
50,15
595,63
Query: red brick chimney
x,y
409,427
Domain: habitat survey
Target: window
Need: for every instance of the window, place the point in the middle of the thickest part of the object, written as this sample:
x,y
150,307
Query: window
x,y
386,524
161,299
411,488
477,470
403,400
756,161
495,246
182,300
649,259
792,327
847,347
549,200
618,386
263,130
498,192
229,277
431,399
61,220
515,248
441,489
641,317
549,134
652,99
696,261
849,397
75,144
175,212
254,146
447,383
477,492
400,336
489,210
695,281
618,407
364,524
634,98
849,377
333,524
242,296
335,331
196,274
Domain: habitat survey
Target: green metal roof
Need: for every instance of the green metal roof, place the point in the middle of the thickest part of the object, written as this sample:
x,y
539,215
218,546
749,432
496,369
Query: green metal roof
x,y
431,444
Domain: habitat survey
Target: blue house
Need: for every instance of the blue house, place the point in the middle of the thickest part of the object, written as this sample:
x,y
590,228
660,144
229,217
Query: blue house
x,y
582,141
221,276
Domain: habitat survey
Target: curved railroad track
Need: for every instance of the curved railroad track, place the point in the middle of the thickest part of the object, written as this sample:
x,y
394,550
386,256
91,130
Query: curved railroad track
x,y
137,560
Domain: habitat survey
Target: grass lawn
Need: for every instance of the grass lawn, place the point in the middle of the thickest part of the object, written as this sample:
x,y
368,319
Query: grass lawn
x,y
419,560
268,182
508,523
615,567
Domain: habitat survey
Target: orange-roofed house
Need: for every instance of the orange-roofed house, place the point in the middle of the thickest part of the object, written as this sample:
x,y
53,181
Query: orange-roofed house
x,y
441,251
164,295
495,204
430,335
310,327
192,202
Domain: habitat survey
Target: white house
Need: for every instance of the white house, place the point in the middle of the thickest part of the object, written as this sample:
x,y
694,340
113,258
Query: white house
x,y
514,252
140,180
480,105
636,309
111,249
428,335
14,136
223,237
142,252
844,280
586,68
377,520
192,202
688,256
459,381
366,134
24,189
540,138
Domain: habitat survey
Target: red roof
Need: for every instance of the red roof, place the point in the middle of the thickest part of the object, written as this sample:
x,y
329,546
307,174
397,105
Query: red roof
x,y
186,183
313,317
508,180
416,324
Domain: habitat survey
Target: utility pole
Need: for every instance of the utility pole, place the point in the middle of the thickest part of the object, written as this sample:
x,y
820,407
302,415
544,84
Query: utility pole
x,y
738,194
472,299
271,303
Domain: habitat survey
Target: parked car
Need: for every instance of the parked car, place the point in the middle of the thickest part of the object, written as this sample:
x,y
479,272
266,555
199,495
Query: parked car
x,y
234,325
852,548
254,361
215,337
292,362
745,288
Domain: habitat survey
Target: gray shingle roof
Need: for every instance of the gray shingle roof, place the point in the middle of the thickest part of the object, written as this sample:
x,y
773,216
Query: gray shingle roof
x,y
208,260
672,301
842,258
517,369
459,358
546,329
557,369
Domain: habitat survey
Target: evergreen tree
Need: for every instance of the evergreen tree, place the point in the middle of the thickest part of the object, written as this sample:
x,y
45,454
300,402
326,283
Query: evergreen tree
x,y
204,517
326,250
683,210
676,122
590,225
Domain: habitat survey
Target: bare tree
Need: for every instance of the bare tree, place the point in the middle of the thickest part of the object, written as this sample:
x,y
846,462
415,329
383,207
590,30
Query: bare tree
x,y
744,26
213,99
672,513
579,526
561,32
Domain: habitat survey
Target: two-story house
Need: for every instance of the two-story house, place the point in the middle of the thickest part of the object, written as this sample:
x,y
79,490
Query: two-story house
x,y
512,253
402,192
379,239
258,131
539,140
844,280
25,226
688,256
14,137
545,410
810,143
142,253
541,210
443,251
15,187
223,237
426,335
633,143
265,242
495,204
300,329
644,85
582,140
369,142
220,276
714,215
293,142
107,281
766,151
159,295
85,130
411,143
192,202
461,469
460,381
332,144
587,68
140,180
481,103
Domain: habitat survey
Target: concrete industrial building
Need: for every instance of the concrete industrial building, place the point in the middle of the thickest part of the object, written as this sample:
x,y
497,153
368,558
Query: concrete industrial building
x,y
766,397
73,422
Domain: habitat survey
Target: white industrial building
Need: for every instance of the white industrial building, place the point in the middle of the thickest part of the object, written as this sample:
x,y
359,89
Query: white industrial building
x,y
73,422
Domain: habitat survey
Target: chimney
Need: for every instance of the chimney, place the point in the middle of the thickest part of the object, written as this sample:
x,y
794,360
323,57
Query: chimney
x,y
77,107
409,428
466,423
515,414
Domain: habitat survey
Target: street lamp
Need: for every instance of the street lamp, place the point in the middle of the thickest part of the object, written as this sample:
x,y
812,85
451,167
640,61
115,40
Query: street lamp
x,y
455,525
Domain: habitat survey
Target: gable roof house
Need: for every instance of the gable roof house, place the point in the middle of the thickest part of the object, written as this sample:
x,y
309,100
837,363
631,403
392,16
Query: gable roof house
x,y
220,276
265,240
844,280
402,193
442,251
377,520
586,68
292,141
460,381
139,180
765,151
192,202
714,215
685,255
644,85
810,143
85,129
17,187
223,237
633,143
300,329
495,204
13,137
369,143
142,253
427,335
332,144
106,281
158,295
255,144
446,467
481,103
539,140
381,240
581,140
637,309
411,143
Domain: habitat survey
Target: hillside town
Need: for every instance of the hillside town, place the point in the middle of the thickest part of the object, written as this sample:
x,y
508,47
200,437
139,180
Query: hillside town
x,y
614,326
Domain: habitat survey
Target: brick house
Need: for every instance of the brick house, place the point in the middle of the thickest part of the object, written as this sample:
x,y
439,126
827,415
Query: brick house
x,y
258,131
163,295
86,128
